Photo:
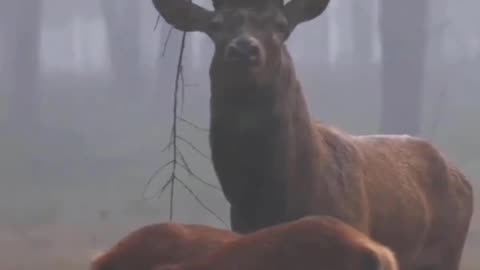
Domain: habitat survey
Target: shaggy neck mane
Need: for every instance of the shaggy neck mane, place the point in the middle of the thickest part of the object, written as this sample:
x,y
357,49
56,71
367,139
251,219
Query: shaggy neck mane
x,y
261,136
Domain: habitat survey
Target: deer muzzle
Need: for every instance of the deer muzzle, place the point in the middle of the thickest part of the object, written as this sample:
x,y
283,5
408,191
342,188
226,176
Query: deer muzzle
x,y
243,50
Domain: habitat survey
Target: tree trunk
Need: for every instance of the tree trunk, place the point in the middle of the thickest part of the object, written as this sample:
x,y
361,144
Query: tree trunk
x,y
304,41
362,20
21,47
438,68
321,42
122,19
403,37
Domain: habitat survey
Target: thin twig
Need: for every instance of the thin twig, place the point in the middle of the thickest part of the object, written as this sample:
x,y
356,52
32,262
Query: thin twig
x,y
167,147
182,78
184,161
178,160
172,191
187,168
156,23
174,125
193,147
200,202
168,183
157,171
196,177
165,185
192,124
165,43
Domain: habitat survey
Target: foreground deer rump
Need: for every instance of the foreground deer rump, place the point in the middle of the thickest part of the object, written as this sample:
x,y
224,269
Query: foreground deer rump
x,y
309,243
275,165
162,244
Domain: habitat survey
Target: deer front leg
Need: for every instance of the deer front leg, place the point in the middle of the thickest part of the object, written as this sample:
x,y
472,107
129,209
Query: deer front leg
x,y
240,221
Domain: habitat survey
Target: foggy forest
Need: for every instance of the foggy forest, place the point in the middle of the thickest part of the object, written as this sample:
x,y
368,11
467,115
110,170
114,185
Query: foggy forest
x,y
87,100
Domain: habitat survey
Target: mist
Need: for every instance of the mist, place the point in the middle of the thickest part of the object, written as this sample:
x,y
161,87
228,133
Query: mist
x,y
86,102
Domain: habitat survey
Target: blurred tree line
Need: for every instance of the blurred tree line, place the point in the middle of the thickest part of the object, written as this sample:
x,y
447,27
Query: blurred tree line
x,y
86,99
93,78
406,30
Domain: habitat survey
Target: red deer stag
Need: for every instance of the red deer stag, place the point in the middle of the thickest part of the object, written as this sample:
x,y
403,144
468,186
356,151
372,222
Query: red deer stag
x,y
162,244
276,165
309,243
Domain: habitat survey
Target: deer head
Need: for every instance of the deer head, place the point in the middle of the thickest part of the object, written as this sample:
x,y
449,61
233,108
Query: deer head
x,y
249,35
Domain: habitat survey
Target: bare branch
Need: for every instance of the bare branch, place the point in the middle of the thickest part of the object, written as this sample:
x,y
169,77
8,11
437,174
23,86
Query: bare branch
x,y
172,193
168,183
152,177
165,43
167,147
165,185
192,124
187,168
156,22
182,78
193,147
198,178
174,126
178,159
159,193
200,202
184,162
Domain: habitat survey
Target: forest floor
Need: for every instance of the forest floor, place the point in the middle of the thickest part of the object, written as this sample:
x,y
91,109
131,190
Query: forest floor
x,y
63,246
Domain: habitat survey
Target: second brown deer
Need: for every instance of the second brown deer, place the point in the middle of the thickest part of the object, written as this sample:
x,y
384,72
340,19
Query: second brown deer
x,y
276,165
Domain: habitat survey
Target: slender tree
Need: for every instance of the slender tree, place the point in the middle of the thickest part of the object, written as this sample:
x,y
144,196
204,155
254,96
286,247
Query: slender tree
x,y
21,27
122,20
403,38
362,26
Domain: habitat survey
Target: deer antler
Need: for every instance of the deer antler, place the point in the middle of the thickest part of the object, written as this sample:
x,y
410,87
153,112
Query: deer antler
x,y
299,11
245,3
183,14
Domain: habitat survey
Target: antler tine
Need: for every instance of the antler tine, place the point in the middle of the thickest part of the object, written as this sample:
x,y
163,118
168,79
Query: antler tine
x,y
299,11
184,15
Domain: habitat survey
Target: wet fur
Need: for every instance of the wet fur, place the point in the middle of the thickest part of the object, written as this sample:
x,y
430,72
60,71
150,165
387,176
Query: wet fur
x,y
162,244
276,165
310,243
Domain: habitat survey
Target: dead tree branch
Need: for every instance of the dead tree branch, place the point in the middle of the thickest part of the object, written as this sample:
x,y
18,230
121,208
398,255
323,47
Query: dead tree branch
x,y
192,124
178,160
185,186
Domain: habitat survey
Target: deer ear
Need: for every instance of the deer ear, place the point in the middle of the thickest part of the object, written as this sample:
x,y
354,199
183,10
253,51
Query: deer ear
x,y
298,11
183,14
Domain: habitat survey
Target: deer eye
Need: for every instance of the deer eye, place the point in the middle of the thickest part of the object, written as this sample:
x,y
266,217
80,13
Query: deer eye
x,y
282,26
215,24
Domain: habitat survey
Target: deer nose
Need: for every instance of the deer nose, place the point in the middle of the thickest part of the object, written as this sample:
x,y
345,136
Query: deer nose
x,y
243,49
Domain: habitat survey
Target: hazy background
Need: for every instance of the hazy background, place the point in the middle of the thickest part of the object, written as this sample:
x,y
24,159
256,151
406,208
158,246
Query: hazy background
x,y
86,108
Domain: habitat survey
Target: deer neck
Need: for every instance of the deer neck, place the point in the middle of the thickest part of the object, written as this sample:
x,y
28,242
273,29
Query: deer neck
x,y
261,135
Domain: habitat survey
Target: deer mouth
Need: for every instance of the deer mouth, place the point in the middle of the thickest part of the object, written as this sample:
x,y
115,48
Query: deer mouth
x,y
244,61
243,53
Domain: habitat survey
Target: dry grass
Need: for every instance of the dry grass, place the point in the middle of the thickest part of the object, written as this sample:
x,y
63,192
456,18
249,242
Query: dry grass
x,y
71,247
55,247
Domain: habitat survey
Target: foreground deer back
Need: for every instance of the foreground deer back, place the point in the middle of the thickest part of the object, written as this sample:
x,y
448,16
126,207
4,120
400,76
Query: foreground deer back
x,y
309,243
